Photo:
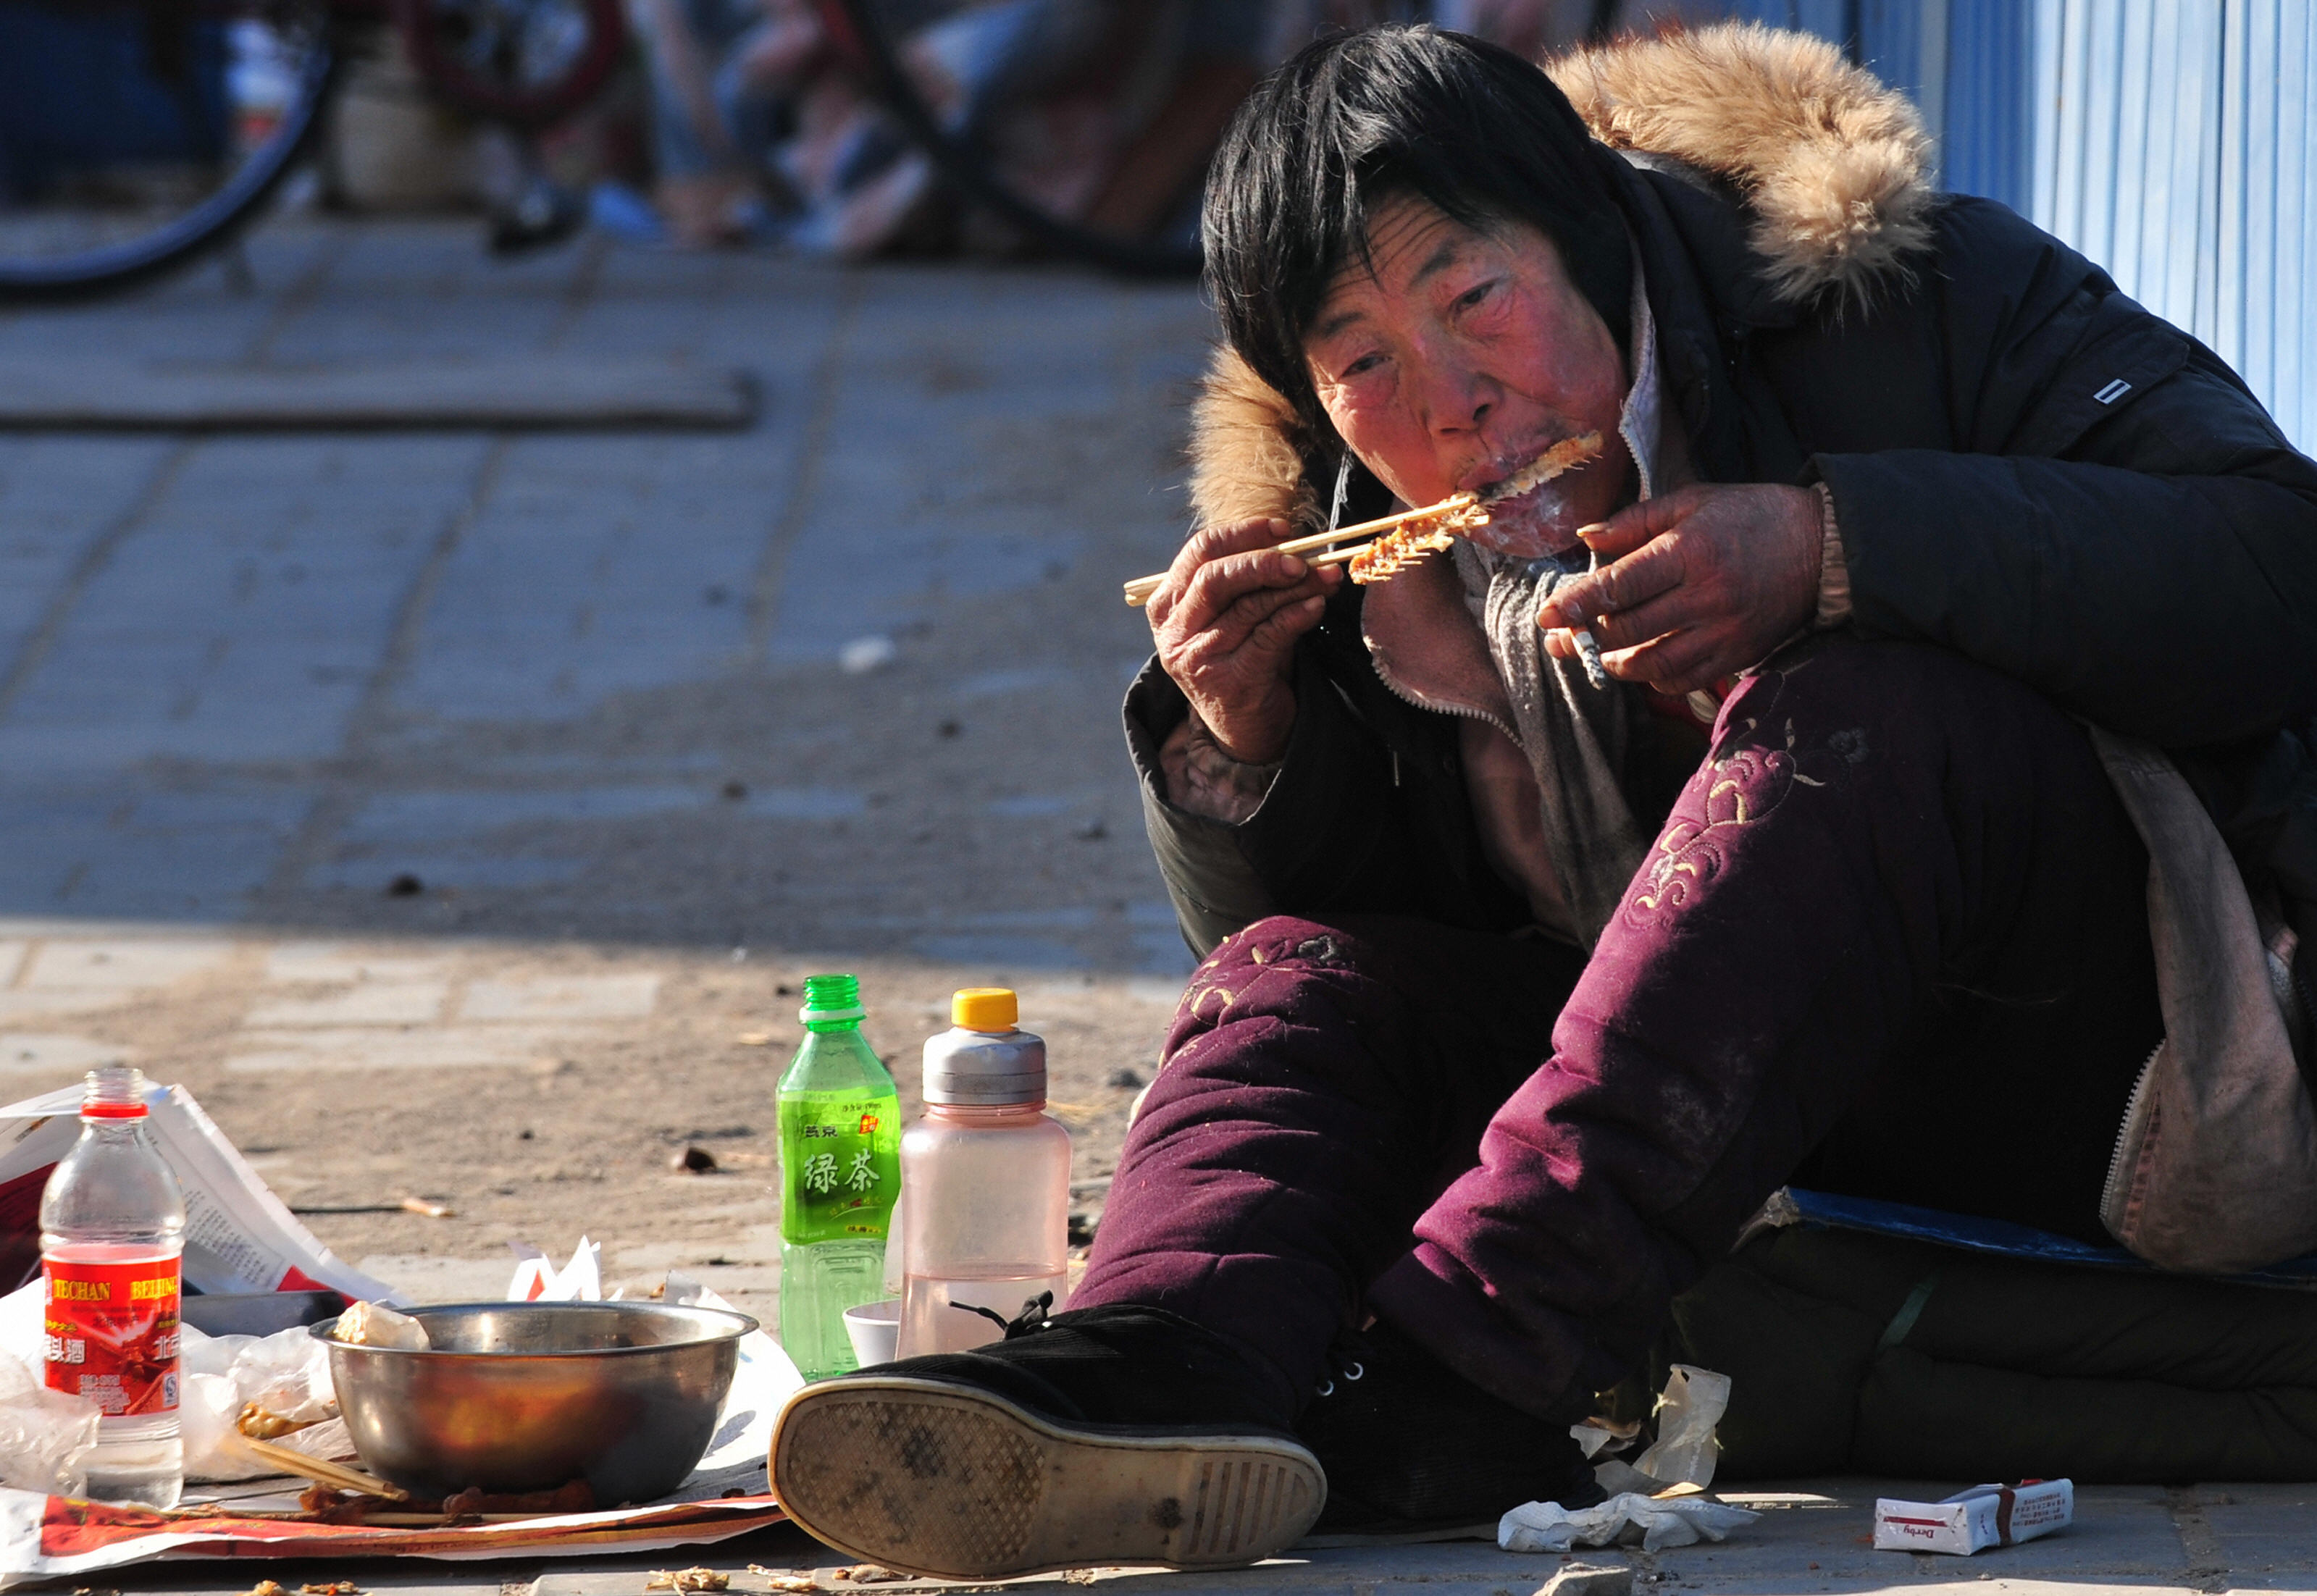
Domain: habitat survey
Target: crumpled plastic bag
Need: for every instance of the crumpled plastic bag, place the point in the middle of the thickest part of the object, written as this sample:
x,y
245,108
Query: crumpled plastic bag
x,y
45,1435
1679,1521
1692,1403
286,1373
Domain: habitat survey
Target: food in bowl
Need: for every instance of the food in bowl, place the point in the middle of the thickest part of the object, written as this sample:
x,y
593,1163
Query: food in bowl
x,y
512,1397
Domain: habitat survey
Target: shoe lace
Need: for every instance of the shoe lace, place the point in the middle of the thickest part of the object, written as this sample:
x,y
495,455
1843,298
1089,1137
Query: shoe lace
x,y
1345,1361
1034,1317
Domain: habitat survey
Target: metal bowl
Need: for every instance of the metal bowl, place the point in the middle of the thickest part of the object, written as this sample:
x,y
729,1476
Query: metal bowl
x,y
529,1396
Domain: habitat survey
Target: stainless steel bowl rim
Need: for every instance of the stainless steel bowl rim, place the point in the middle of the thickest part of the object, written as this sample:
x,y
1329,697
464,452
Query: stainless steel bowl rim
x,y
739,1325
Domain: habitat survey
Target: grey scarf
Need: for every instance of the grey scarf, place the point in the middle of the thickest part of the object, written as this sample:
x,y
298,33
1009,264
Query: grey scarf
x,y
1573,734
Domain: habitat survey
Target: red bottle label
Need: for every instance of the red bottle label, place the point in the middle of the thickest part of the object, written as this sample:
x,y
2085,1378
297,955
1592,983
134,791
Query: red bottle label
x,y
111,1333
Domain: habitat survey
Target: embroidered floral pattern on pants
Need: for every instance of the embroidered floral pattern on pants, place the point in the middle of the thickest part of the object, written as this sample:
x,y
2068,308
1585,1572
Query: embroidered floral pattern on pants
x,y
1740,786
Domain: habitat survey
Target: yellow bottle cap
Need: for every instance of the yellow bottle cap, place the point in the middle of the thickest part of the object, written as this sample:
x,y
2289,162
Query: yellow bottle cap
x,y
985,1008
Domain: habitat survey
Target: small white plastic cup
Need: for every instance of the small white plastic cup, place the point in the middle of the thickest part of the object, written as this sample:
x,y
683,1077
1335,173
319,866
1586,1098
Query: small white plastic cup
x,y
875,1329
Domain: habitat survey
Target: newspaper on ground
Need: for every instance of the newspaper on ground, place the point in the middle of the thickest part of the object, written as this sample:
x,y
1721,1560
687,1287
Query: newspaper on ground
x,y
239,1237
1975,1519
56,1537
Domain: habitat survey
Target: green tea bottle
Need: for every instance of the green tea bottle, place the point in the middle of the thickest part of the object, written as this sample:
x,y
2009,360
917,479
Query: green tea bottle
x,y
840,1170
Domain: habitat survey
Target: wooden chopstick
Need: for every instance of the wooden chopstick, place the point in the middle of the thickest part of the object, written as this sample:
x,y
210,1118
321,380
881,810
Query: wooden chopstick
x,y
324,1473
1138,591
428,1520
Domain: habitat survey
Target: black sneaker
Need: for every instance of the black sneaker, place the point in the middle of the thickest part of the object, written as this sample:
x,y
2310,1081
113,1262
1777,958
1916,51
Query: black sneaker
x,y
1414,1451
1110,1436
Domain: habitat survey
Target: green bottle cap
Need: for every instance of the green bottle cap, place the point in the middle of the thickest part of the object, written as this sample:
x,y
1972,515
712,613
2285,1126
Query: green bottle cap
x,y
831,1003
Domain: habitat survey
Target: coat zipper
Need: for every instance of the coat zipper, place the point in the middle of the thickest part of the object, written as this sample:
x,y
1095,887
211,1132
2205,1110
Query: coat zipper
x,y
2131,1107
1409,696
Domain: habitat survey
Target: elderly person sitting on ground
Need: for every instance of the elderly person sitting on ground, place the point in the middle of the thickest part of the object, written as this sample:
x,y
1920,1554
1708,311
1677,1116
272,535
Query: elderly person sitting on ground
x,y
1522,994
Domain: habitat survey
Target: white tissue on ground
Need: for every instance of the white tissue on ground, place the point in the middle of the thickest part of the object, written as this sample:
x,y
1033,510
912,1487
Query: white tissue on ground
x,y
864,655
1683,1521
1692,1403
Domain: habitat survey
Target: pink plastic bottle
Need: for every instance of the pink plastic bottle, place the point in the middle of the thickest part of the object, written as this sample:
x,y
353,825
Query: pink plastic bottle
x,y
985,1224
112,1238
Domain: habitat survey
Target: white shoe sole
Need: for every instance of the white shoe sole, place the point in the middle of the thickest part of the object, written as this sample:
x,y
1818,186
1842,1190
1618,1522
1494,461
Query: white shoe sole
x,y
954,1483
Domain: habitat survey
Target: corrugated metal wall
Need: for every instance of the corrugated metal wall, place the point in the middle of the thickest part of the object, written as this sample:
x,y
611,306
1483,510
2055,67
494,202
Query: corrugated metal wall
x,y
2265,295
2170,140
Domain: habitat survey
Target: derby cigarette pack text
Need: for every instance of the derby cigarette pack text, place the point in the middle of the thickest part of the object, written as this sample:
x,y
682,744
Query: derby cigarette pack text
x,y
1974,1520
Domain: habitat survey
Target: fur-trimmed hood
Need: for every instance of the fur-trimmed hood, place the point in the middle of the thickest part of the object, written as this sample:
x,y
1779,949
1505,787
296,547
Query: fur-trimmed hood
x,y
1832,164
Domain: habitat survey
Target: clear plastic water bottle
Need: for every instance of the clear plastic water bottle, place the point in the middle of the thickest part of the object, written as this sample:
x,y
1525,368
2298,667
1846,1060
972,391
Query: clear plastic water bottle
x,y
987,1227
113,1239
840,1170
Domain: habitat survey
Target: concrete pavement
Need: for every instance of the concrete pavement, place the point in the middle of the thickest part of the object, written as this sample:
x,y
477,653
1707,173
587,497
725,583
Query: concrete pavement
x,y
456,812
1812,1537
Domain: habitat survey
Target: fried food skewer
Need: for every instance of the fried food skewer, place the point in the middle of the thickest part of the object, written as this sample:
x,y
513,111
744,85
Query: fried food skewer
x,y
1138,591
1403,538
1403,546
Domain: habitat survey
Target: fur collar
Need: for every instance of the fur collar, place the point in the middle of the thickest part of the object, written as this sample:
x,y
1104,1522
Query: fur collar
x,y
1832,166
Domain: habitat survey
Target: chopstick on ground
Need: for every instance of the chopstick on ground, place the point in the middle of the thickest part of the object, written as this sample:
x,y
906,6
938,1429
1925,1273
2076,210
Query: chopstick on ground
x,y
334,1475
423,1207
434,1520
1138,591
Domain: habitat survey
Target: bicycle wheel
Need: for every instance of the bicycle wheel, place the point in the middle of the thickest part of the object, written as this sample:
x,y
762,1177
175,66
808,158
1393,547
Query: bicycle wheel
x,y
136,134
530,63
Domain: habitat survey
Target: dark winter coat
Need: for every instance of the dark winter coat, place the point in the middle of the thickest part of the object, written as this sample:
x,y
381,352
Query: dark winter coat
x,y
2026,467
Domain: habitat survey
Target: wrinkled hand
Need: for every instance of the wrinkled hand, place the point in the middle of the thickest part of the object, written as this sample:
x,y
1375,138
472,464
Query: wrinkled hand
x,y
1226,620
1703,583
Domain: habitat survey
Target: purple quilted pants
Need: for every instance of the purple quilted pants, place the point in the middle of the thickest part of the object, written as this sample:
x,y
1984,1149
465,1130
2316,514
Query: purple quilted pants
x,y
1892,941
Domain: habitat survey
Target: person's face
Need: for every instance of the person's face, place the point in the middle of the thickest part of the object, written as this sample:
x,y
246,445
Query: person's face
x,y
1461,357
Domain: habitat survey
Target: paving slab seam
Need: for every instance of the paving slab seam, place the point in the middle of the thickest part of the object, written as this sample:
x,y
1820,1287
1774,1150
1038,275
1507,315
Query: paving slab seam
x,y
579,291
345,790
304,289
2207,1563
41,640
804,483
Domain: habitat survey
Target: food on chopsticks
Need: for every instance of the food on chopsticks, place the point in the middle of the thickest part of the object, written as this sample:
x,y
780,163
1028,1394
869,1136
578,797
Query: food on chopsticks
x,y
1432,529
1138,591
1403,538
1411,540
1562,458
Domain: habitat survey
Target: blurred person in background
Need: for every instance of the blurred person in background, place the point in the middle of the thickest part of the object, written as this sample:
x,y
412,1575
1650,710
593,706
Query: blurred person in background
x,y
719,72
1097,112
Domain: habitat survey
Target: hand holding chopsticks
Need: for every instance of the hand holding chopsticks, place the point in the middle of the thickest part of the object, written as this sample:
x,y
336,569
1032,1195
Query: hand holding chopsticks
x,y
1138,591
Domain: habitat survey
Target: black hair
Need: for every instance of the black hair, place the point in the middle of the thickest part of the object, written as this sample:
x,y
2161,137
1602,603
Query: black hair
x,y
1358,118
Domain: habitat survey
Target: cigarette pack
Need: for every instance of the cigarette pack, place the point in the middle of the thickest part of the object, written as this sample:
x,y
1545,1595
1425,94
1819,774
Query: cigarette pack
x,y
1974,1520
